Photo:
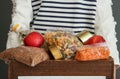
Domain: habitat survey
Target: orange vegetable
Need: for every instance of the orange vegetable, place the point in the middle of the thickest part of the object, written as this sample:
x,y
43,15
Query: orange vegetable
x,y
87,53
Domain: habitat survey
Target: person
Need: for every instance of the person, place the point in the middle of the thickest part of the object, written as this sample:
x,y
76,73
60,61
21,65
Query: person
x,y
76,15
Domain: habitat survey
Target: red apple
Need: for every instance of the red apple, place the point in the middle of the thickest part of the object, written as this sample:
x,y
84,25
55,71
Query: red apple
x,y
95,39
34,39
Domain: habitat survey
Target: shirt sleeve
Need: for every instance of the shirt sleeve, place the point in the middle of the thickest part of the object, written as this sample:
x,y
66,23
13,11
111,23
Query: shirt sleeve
x,y
105,26
21,18
22,15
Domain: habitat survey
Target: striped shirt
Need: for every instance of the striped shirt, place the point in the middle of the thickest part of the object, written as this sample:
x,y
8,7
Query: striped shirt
x,y
68,15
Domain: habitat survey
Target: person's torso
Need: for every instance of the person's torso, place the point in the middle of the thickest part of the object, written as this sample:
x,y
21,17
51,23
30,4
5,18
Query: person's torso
x,y
73,15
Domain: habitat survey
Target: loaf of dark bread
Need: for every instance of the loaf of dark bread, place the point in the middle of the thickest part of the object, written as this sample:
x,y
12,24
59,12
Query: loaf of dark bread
x,y
28,55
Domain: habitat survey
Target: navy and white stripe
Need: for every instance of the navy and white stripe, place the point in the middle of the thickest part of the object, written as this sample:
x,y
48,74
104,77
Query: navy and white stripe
x,y
73,15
